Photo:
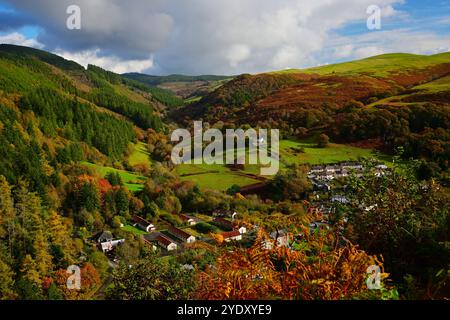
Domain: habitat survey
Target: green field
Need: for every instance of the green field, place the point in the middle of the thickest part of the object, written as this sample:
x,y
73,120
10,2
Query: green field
x,y
132,181
379,66
314,155
140,155
214,176
442,84
220,177
134,230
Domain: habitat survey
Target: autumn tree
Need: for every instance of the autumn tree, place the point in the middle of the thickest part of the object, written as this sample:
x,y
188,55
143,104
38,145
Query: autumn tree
x,y
30,271
6,282
43,258
323,141
405,220
323,269
151,279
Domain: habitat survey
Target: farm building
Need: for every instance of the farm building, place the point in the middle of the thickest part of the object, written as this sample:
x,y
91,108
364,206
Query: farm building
x,y
110,245
166,243
280,237
242,230
143,224
189,220
103,236
234,235
182,235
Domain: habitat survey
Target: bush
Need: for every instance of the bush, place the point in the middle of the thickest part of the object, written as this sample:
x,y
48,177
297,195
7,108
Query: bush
x,y
323,141
205,228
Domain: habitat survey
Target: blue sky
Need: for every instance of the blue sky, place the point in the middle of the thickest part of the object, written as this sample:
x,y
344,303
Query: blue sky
x,y
421,15
225,36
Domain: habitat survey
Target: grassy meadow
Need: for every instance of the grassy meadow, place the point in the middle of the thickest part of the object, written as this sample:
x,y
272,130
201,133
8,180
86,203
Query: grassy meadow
x,y
221,177
132,181
139,155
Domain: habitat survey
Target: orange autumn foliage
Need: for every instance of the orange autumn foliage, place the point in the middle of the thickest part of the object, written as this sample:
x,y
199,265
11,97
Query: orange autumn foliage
x,y
325,270
90,281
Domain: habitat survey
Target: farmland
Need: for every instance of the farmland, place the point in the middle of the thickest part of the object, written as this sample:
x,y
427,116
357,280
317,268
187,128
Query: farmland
x,y
132,181
139,155
301,152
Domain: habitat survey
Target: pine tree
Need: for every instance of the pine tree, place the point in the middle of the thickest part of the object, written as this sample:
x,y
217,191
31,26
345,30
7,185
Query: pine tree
x,y
29,270
57,230
7,213
43,257
6,282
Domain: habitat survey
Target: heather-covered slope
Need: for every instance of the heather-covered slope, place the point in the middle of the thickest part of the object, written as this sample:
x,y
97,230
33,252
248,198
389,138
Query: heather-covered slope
x,y
394,100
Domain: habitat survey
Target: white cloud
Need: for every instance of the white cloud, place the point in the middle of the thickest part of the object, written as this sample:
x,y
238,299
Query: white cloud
x,y
111,63
389,41
286,57
237,54
365,52
220,36
343,51
20,40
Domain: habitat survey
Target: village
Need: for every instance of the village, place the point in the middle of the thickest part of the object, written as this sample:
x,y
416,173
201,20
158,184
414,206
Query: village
x,y
328,183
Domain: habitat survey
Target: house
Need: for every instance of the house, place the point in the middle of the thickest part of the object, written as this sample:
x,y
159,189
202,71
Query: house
x,y
242,230
182,235
352,166
317,169
143,224
189,220
340,199
234,235
223,222
342,173
104,236
110,245
166,242
149,241
105,241
281,237
332,169
324,176
222,214
318,186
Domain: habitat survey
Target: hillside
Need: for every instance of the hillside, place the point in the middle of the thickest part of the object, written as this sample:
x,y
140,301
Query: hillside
x,y
54,111
352,102
190,88
86,179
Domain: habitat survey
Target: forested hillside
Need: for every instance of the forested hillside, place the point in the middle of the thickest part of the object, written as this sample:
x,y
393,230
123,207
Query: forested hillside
x,y
387,102
86,179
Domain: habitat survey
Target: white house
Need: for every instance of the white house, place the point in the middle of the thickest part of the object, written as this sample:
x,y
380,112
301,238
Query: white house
x,y
110,245
191,221
166,243
242,230
234,235
143,224
182,235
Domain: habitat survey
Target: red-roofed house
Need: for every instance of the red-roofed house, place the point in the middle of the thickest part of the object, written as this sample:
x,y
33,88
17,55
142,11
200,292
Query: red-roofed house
x,y
143,224
182,235
234,235
166,243
191,221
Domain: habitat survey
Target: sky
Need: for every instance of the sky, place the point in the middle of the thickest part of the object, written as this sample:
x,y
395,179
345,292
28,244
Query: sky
x,y
226,37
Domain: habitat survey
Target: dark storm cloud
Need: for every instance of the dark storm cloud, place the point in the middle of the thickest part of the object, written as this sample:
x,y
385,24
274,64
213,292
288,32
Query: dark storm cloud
x,y
12,20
